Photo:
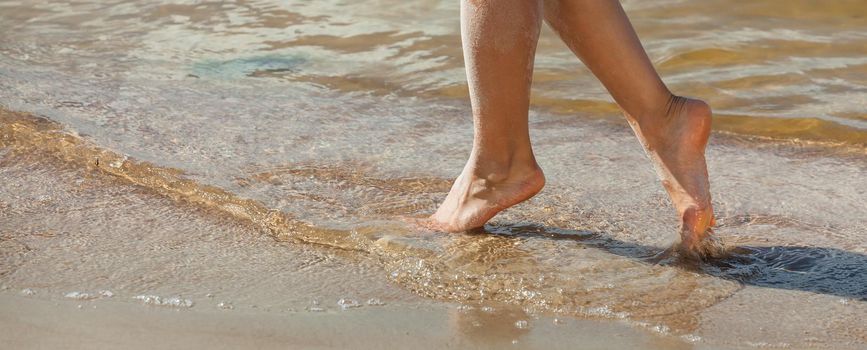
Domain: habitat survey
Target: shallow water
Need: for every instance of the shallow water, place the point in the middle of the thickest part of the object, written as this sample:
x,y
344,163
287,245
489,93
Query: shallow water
x,y
328,122
784,69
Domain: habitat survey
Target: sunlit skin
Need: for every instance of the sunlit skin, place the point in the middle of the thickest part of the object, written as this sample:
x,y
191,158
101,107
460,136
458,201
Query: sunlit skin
x,y
499,42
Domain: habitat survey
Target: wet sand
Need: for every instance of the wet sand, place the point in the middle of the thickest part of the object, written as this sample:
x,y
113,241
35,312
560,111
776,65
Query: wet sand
x,y
125,226
267,153
80,248
32,323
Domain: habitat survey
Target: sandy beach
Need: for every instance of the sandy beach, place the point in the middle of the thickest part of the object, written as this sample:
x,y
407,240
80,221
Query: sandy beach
x,y
44,324
222,264
232,175
90,276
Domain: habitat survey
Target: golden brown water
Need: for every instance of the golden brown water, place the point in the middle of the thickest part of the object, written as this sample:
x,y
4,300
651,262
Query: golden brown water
x,y
781,69
327,123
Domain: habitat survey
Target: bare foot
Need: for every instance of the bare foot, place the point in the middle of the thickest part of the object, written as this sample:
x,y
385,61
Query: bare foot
x,y
675,143
479,193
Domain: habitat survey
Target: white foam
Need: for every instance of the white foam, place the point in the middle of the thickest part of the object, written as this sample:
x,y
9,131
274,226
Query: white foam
x,y
80,295
464,307
661,329
348,303
314,306
692,338
77,295
375,302
160,301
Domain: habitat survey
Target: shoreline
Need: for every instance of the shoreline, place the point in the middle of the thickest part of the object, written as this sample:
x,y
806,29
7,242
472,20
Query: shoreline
x,y
30,322
114,166
222,175
55,289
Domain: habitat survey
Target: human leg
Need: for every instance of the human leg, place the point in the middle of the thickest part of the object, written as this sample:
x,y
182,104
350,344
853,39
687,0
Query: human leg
x,y
673,130
499,42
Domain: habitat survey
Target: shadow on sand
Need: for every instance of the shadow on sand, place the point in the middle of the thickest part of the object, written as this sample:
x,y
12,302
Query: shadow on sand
x,y
812,269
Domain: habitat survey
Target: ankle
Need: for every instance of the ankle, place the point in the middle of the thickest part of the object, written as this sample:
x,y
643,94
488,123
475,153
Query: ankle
x,y
654,111
663,115
498,166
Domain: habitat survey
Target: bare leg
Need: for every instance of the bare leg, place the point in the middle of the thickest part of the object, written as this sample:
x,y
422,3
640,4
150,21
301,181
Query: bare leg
x,y
674,130
499,42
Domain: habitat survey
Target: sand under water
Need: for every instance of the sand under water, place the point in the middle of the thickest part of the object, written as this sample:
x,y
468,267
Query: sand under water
x,y
251,166
109,264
